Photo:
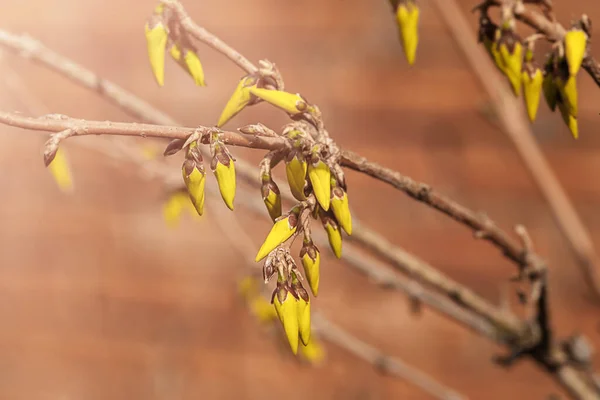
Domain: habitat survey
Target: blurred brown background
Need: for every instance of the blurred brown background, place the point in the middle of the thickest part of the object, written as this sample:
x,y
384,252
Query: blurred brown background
x,y
99,300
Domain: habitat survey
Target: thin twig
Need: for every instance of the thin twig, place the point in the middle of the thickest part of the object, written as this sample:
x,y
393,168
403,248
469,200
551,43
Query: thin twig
x,y
80,127
518,129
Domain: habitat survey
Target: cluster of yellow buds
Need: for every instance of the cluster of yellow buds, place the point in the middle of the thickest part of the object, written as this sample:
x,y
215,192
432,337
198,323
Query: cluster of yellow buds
x,y
290,299
262,309
222,165
560,74
164,32
407,18
515,59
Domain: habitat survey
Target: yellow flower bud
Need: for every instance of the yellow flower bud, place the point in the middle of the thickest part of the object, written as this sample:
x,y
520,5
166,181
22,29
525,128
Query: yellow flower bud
x,y
511,58
239,99
194,177
567,88
291,103
286,306
304,319
407,16
224,169
295,170
320,178
190,63
569,119
340,208
575,46
272,197
311,261
60,171
156,38
532,88
283,229
333,234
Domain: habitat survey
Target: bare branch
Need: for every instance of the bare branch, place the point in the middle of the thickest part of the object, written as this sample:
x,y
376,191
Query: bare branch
x,y
80,127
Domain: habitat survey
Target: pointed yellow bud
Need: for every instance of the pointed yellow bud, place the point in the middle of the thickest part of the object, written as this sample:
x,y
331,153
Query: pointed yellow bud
x,y
272,197
550,91
304,318
59,168
291,103
194,67
320,178
511,56
156,39
532,88
194,177
569,119
311,261
575,46
341,210
313,352
333,234
283,229
407,16
224,169
295,170
190,63
568,92
239,99
286,306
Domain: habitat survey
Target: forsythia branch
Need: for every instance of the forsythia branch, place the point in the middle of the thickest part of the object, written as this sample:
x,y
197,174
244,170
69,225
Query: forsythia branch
x,y
524,337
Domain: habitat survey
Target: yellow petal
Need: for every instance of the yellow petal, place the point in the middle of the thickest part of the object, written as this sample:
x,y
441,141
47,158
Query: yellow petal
x,y
272,199
313,351
550,91
407,16
226,179
59,168
320,178
335,237
194,182
575,46
175,53
311,261
341,210
282,230
156,39
290,103
194,67
288,315
513,63
295,170
570,120
238,100
568,93
532,88
304,320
